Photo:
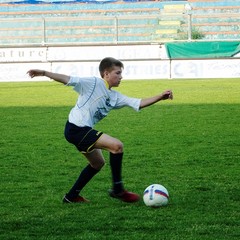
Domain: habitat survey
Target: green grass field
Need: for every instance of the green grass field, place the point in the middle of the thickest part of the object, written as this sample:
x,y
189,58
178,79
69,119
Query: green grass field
x,y
191,145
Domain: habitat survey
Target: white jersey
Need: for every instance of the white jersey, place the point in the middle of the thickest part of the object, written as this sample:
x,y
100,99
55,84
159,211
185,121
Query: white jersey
x,y
96,100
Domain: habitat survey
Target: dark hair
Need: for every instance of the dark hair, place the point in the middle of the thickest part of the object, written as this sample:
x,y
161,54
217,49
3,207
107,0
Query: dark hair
x,y
107,63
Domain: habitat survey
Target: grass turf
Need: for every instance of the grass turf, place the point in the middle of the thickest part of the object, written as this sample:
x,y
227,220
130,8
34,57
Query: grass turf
x,y
190,145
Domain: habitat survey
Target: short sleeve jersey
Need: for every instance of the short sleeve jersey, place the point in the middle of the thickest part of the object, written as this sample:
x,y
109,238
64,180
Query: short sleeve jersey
x,y
95,101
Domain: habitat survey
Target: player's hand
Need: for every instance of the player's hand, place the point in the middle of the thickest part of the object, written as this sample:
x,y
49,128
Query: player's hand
x,y
167,95
35,72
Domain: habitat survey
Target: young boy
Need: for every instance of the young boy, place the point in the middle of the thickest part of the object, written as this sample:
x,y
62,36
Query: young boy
x,y
96,99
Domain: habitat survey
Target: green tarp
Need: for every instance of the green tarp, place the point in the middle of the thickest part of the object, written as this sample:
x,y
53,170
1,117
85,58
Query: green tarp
x,y
202,49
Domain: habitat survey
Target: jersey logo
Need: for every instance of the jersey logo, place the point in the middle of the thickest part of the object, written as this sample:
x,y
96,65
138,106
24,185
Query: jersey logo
x,y
99,114
108,102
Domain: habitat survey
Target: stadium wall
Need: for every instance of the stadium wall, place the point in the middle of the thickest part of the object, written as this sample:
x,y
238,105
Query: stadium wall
x,y
141,62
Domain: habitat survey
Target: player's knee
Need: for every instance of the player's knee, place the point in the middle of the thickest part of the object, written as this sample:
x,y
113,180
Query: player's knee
x,y
117,147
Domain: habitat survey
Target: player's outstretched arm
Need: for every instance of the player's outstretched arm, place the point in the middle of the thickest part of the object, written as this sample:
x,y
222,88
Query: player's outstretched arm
x,y
145,102
55,76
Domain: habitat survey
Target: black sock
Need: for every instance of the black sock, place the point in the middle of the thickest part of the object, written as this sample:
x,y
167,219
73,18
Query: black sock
x,y
85,176
116,168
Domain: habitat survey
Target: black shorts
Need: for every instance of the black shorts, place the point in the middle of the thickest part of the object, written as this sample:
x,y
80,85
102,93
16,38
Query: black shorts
x,y
82,137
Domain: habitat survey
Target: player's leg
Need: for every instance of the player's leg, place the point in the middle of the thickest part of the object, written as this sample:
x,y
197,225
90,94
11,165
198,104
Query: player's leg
x,y
96,162
109,143
115,147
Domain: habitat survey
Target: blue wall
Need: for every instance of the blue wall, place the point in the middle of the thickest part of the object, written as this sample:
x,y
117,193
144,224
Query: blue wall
x,y
52,1
196,4
66,1
217,3
94,5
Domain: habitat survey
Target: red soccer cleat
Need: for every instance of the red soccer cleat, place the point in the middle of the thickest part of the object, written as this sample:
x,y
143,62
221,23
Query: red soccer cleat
x,y
77,199
125,196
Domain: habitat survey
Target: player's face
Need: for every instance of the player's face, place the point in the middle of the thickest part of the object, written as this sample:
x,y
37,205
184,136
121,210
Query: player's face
x,y
114,76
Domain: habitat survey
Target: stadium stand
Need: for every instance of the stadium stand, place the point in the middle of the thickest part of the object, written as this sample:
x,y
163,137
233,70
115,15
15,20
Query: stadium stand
x,y
80,23
120,22
216,19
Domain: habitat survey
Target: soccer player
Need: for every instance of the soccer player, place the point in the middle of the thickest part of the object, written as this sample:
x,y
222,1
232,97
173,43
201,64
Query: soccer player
x,y
96,98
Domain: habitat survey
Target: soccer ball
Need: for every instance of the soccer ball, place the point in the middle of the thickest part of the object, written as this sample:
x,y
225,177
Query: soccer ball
x,y
155,195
